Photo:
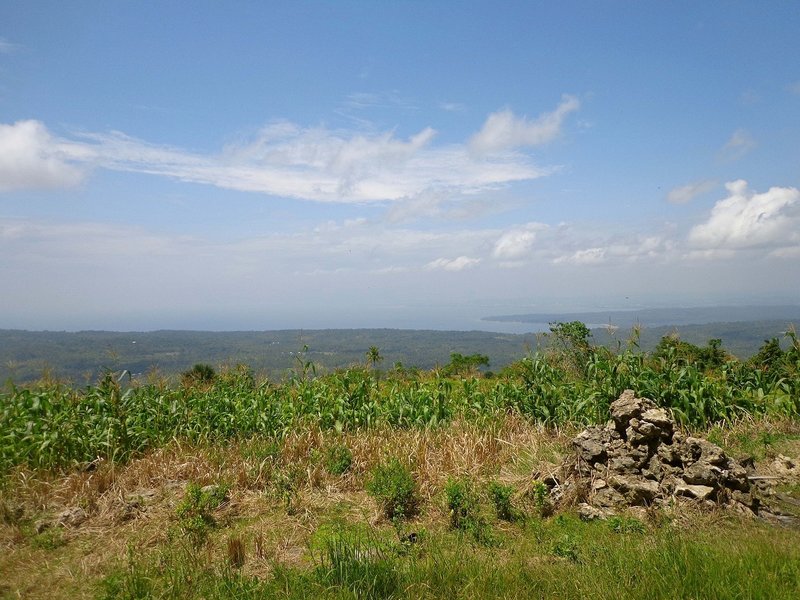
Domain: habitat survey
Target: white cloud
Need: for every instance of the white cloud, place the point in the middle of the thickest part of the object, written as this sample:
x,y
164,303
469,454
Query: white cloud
x,y
589,256
503,130
746,220
31,158
739,144
517,243
283,160
454,264
452,106
686,193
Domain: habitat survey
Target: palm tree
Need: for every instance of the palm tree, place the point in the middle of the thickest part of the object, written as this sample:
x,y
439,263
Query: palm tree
x,y
373,356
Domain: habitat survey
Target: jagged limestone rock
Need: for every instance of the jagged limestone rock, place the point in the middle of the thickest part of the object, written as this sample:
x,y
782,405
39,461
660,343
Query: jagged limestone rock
x,y
640,458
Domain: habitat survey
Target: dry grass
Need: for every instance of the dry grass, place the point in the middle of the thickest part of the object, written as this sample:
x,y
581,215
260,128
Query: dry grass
x,y
280,494
132,507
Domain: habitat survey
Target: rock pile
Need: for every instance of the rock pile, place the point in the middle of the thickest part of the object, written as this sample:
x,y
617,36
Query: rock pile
x,y
640,459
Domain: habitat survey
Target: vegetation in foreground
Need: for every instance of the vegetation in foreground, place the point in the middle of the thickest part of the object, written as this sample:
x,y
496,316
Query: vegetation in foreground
x,y
382,484
50,425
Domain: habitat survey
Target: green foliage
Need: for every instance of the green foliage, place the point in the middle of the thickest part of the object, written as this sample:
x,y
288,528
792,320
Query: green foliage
x,y
49,539
460,365
463,504
50,425
199,374
338,459
358,565
501,496
567,546
195,512
374,356
571,340
621,524
394,488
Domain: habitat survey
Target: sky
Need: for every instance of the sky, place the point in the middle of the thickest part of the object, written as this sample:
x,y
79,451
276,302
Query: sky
x,y
270,165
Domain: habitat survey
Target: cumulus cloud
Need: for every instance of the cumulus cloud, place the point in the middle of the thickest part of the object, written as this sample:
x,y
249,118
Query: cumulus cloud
x,y
746,219
31,158
739,144
686,193
452,264
516,243
503,130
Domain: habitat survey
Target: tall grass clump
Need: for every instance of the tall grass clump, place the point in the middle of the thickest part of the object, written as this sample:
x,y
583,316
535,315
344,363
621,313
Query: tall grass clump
x,y
393,486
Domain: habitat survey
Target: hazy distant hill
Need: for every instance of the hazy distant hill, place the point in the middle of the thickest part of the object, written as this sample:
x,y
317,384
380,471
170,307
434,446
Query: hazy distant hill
x,y
82,356
655,317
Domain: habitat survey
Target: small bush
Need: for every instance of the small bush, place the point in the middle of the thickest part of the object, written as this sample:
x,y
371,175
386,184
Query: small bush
x,y
338,459
464,506
393,486
626,525
199,374
195,518
540,496
286,486
501,498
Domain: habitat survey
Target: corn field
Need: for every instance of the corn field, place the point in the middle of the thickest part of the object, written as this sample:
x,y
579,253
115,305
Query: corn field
x,y
52,425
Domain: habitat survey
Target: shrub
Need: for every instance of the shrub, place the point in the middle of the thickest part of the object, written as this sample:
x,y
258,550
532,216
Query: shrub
x,y
393,486
195,518
501,498
338,460
464,506
200,373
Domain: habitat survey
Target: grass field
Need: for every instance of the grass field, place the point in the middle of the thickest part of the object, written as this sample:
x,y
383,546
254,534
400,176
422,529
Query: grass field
x,y
383,484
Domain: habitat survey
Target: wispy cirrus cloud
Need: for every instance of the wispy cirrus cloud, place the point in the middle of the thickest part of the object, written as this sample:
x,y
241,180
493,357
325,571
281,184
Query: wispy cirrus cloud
x,y
503,130
686,193
282,159
739,144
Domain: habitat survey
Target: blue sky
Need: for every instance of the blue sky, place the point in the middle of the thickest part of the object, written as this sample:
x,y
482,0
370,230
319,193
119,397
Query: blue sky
x,y
255,165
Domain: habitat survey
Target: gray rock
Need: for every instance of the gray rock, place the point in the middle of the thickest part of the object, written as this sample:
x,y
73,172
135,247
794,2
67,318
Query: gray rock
x,y
628,407
702,473
697,492
587,512
591,445
636,490
660,418
623,465
669,454
693,449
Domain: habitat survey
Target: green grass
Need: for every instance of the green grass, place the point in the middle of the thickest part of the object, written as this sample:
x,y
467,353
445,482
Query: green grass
x,y
560,558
